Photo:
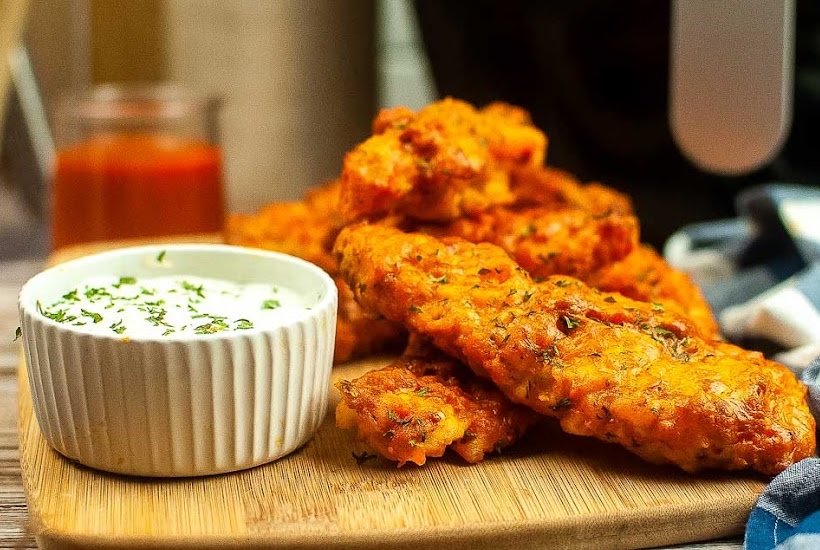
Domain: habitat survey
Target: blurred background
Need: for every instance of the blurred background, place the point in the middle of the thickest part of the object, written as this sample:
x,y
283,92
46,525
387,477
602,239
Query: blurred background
x,y
301,80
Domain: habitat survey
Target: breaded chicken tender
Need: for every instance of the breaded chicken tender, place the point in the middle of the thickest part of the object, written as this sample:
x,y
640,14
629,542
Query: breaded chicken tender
x,y
306,229
447,160
360,333
556,188
545,241
623,371
288,227
426,402
559,226
644,275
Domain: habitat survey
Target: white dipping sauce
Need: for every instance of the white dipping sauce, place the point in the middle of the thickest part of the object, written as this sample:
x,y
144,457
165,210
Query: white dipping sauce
x,y
176,305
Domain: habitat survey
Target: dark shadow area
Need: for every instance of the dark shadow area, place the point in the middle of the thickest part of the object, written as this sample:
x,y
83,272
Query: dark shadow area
x,y
594,76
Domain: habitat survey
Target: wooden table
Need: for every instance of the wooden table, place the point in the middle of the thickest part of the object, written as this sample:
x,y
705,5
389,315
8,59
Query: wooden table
x,y
14,531
14,528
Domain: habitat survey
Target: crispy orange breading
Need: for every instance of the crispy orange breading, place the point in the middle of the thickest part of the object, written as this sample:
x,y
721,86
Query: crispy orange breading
x,y
447,160
303,228
557,225
556,188
401,417
425,402
606,366
644,275
289,227
639,272
306,229
545,241
360,333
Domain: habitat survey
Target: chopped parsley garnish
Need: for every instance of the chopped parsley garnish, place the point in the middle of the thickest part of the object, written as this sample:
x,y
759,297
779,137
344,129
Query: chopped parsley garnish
x,y
166,305
210,328
363,457
96,317
125,281
198,290
571,322
243,324
117,327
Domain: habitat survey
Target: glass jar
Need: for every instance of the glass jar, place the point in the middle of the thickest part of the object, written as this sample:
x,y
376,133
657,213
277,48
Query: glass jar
x,y
136,162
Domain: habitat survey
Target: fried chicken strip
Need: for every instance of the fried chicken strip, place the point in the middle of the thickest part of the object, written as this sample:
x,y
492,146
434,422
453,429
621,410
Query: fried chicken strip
x,y
426,402
447,160
545,241
288,227
644,275
606,366
549,186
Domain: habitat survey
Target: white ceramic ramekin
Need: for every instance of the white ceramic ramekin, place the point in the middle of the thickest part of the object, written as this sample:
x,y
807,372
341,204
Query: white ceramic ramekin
x,y
181,405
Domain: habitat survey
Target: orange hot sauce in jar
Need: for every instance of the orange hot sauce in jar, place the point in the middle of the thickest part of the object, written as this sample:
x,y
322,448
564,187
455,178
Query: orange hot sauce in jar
x,y
140,166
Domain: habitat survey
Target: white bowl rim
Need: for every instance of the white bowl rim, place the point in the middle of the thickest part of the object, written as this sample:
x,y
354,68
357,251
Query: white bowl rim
x,y
328,299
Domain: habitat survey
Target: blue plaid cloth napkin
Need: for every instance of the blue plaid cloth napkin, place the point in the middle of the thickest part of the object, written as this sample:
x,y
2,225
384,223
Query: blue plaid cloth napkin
x,y
760,273
787,514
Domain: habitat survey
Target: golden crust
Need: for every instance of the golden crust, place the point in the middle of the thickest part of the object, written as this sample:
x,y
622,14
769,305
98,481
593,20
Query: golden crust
x,y
360,333
476,174
288,227
644,275
426,402
546,242
613,342
556,188
445,161
621,370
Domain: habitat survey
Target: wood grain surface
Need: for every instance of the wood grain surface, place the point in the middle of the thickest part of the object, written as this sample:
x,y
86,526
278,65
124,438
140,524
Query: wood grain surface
x,y
551,491
14,528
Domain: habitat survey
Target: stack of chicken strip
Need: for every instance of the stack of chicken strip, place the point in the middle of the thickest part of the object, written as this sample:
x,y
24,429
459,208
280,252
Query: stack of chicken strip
x,y
606,366
429,181
425,402
558,305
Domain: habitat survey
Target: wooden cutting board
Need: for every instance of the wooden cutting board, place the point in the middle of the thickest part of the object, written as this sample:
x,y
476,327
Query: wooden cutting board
x,y
551,490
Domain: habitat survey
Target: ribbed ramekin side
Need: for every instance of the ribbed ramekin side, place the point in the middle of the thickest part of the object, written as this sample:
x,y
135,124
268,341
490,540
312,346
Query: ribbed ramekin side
x,y
297,342
319,361
38,359
121,416
223,441
261,390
